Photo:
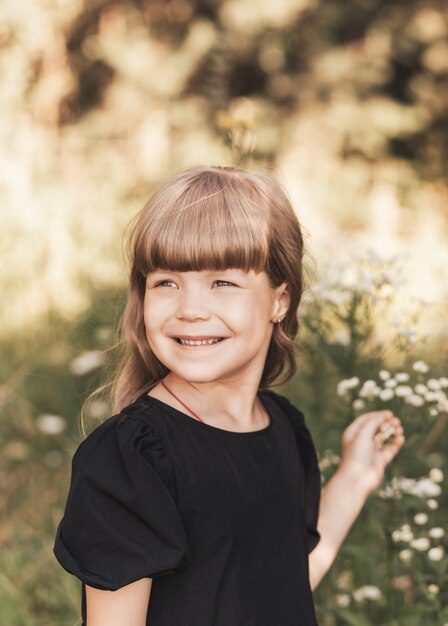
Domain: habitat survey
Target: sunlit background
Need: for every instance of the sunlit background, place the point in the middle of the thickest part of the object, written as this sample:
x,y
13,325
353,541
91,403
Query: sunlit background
x,y
101,101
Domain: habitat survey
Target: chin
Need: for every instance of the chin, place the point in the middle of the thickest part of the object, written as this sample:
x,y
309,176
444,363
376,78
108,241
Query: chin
x,y
195,375
196,378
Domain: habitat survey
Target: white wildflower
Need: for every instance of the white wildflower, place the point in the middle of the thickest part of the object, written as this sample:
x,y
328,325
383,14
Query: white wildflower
x,y
384,374
433,383
391,383
436,554
421,518
343,599
443,380
421,388
420,366
388,493
369,389
426,488
406,485
403,391
436,474
433,412
87,362
367,592
328,459
433,589
405,555
414,400
386,394
402,377
346,384
404,533
51,424
432,504
420,544
358,404
436,533
430,396
324,464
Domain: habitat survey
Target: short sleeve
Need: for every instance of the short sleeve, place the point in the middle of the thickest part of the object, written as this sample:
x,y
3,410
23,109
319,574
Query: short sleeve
x,y
309,458
120,522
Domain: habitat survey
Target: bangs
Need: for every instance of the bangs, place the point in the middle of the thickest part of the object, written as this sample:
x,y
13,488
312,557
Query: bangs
x,y
210,223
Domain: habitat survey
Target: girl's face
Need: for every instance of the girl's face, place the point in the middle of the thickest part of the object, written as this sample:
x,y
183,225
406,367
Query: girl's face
x,y
232,308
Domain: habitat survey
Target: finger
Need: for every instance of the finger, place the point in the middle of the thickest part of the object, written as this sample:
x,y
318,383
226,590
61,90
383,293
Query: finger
x,y
391,450
371,420
391,444
389,428
354,426
375,421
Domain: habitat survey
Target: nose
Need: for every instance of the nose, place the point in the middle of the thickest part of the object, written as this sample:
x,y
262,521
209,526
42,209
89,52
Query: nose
x,y
192,305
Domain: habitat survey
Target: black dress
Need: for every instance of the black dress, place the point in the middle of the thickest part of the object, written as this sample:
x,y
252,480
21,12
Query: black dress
x,y
223,521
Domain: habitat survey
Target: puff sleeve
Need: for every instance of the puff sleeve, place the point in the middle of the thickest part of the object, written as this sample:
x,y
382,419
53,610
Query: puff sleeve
x,y
120,522
309,459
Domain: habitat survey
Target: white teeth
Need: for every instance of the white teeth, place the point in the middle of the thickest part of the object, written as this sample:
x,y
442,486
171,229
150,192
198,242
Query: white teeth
x,y
191,342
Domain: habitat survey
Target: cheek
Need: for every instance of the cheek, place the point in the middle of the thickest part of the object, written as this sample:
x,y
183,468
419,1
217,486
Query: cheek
x,y
251,314
151,315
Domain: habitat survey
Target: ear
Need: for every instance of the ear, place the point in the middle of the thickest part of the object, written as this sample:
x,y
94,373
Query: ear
x,y
282,300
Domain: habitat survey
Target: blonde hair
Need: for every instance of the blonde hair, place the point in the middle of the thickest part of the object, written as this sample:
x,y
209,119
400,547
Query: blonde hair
x,y
211,218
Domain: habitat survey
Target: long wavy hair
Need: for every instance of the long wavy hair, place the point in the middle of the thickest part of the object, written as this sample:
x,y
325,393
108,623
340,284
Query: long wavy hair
x,y
211,218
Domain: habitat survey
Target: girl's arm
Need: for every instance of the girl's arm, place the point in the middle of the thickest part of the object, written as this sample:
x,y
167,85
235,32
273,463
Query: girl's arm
x,y
360,472
128,605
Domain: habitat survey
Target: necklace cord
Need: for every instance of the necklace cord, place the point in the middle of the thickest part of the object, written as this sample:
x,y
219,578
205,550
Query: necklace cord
x,y
195,414
183,403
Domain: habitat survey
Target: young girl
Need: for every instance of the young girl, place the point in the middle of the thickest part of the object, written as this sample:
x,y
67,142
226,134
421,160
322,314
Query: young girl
x,y
198,502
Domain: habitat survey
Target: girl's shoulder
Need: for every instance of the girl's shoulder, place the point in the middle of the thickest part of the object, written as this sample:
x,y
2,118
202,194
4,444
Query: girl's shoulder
x,y
121,497
123,439
130,420
121,424
305,446
295,416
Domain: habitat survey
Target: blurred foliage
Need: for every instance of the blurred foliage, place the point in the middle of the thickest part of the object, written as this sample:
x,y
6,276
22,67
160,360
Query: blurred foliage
x,y
39,432
101,101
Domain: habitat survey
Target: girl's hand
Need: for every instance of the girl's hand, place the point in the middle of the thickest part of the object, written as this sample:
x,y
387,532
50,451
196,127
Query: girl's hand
x,y
369,444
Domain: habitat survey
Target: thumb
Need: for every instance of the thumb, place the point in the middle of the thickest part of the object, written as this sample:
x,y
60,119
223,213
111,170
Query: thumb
x,y
375,419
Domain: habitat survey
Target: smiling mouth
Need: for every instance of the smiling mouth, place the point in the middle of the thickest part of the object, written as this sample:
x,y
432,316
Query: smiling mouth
x,y
198,342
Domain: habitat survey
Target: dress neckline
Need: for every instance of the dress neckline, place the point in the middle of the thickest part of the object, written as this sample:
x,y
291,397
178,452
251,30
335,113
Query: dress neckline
x,y
197,424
